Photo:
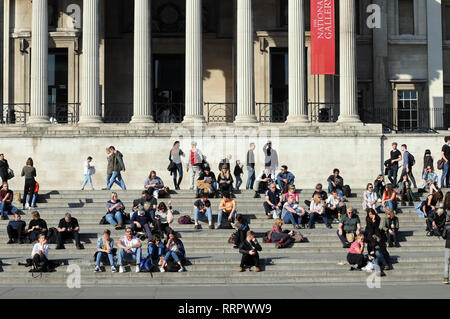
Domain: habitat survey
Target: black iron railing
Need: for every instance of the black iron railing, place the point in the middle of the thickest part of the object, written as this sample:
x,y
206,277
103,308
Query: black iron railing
x,y
218,112
15,113
272,112
168,112
117,112
64,113
322,112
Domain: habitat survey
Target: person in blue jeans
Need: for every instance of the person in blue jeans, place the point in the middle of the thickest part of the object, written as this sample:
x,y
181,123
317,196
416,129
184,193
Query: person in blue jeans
x,y
105,245
130,249
317,209
336,182
6,198
89,170
250,167
117,166
114,210
155,251
174,250
445,179
202,209
389,200
226,206
292,213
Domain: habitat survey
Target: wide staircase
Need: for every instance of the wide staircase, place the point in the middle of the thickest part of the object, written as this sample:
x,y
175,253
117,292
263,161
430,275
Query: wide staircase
x,y
211,259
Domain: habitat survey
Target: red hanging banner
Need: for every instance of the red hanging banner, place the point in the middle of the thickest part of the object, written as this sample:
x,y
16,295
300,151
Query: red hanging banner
x,y
323,45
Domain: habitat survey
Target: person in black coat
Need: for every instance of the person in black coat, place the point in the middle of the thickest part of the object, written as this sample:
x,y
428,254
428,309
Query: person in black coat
x,y
436,223
249,249
3,168
372,224
446,236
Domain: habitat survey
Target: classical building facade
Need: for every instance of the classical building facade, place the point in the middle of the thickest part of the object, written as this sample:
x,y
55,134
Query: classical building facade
x,y
144,61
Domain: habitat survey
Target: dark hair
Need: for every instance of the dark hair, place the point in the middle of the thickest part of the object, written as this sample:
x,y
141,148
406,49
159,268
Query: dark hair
x,y
89,158
107,231
176,143
29,161
284,167
146,192
389,190
112,148
447,201
368,219
150,175
336,170
404,145
204,194
172,232
154,239
227,195
437,196
162,206
319,185
240,218
395,143
446,139
250,233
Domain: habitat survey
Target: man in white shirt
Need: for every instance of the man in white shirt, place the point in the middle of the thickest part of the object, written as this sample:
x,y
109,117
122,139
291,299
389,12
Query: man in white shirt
x,y
40,253
334,206
129,250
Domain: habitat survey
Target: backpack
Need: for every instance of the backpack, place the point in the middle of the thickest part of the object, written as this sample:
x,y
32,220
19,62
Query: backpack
x,y
347,191
172,266
52,235
411,160
103,221
233,238
185,220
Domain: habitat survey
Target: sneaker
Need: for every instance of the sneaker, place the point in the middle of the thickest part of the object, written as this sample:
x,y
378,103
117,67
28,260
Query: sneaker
x,y
397,245
27,206
211,226
80,246
137,268
379,200
21,241
97,269
181,269
269,216
257,269
121,269
60,247
390,245
5,218
10,242
445,281
219,226
241,269
329,227
159,262
197,227
113,269
161,269
277,246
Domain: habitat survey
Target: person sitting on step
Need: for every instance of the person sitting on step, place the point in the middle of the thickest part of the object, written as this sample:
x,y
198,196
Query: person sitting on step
x,y
355,255
249,249
317,209
105,246
206,183
6,199
174,251
272,203
39,254
130,249
16,229
430,204
227,206
225,180
68,228
163,218
284,179
336,182
372,225
405,192
279,236
318,190
436,223
263,181
154,185
141,222
389,199
155,252
349,227
114,211
292,213
291,192
202,210
390,226
430,180
334,207
370,197
379,186
241,227
36,227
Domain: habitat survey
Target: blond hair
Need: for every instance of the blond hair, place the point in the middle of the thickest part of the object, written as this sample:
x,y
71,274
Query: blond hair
x,y
316,198
390,213
113,194
279,222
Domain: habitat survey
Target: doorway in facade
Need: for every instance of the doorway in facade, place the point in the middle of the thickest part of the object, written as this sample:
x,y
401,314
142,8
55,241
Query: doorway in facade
x,y
279,90
169,85
58,76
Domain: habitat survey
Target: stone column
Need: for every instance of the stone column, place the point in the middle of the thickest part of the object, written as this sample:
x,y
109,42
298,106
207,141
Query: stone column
x,y
435,64
245,64
90,112
194,62
142,82
347,58
297,102
39,62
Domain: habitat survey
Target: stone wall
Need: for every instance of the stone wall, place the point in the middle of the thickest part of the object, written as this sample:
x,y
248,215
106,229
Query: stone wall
x,y
311,152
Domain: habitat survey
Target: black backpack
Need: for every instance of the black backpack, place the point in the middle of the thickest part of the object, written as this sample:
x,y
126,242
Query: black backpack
x,y
347,191
172,266
411,160
52,235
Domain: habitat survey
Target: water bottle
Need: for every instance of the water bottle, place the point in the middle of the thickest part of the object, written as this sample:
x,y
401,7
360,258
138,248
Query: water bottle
x,y
339,216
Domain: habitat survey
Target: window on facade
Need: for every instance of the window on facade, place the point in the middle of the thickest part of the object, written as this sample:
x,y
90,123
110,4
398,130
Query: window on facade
x,y
446,21
406,16
283,13
53,14
407,105
358,17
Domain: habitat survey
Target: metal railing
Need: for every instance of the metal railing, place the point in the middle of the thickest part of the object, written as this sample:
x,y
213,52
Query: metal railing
x,y
64,113
322,112
168,112
220,112
117,112
15,113
272,112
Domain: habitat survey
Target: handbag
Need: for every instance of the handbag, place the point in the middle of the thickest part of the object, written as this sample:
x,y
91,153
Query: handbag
x,y
10,173
440,163
172,166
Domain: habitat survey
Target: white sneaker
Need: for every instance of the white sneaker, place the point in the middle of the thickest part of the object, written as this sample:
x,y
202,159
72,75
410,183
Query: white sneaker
x,y
161,269
27,206
97,269
137,268
120,269
181,269
159,262
113,269
379,200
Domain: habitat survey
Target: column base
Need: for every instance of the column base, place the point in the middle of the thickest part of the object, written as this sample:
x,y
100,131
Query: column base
x,y
245,119
297,120
193,119
90,121
349,119
142,120
38,120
